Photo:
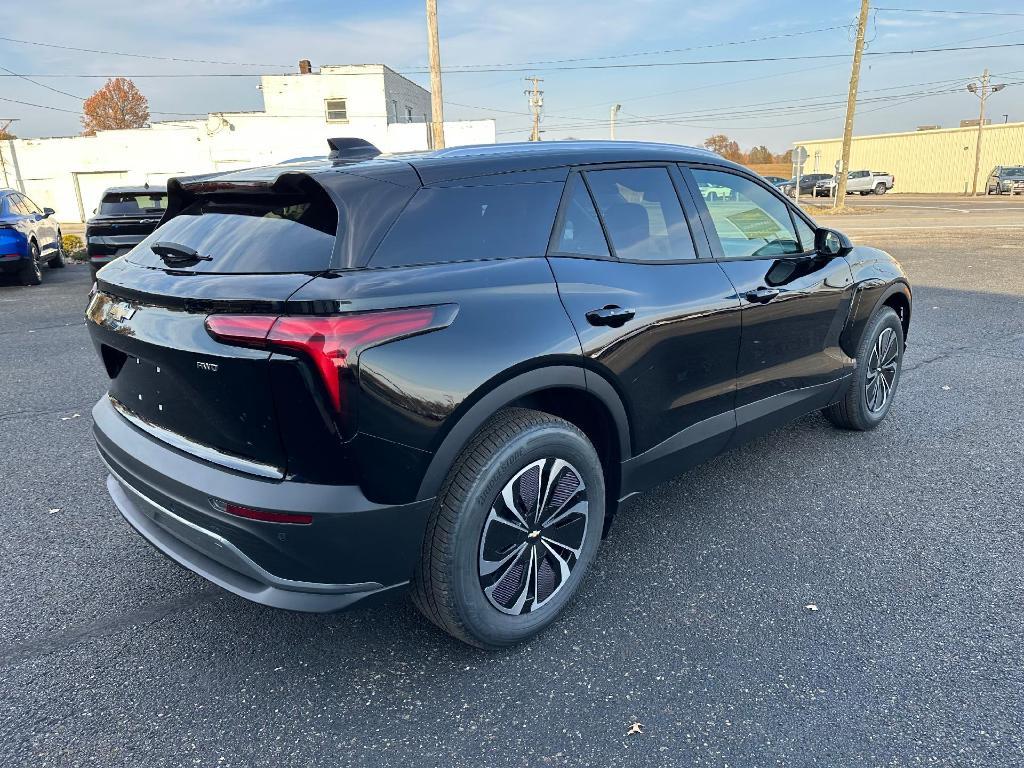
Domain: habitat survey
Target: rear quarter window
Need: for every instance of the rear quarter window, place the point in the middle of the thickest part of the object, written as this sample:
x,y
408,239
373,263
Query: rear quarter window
x,y
469,223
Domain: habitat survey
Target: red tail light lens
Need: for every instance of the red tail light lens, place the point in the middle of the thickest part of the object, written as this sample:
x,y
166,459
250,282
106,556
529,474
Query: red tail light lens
x,y
327,342
293,518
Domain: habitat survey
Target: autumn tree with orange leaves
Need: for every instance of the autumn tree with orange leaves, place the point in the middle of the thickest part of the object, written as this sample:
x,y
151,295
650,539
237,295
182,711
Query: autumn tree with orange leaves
x,y
118,104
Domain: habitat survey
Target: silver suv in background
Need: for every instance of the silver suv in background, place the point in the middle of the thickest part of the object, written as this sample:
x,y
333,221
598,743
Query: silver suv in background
x,y
1006,180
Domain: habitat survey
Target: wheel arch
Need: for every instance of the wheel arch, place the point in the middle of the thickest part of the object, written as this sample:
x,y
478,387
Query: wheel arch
x,y
872,295
566,391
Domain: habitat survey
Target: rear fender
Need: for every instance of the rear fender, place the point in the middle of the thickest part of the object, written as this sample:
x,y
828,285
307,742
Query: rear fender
x,y
497,397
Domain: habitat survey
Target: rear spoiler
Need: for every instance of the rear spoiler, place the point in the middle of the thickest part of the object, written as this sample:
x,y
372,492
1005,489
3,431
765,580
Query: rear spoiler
x,y
182,191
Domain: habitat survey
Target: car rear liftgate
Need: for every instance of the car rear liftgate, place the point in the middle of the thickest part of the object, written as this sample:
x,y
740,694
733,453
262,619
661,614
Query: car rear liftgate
x,y
225,254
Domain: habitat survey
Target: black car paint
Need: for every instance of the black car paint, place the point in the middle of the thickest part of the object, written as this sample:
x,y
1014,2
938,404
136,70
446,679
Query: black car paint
x,y
697,369
109,235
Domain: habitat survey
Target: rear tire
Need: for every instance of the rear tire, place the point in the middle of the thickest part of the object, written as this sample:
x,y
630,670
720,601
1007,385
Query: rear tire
x,y
872,387
880,189
30,272
473,580
57,262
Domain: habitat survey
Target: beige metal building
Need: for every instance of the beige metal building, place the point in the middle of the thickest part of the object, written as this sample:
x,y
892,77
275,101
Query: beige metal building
x,y
924,161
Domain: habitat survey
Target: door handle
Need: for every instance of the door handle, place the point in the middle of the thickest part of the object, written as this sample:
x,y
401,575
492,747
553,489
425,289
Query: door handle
x,y
762,295
610,315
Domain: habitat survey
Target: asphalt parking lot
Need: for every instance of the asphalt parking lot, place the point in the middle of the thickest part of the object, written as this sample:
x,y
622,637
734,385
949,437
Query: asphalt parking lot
x,y
694,622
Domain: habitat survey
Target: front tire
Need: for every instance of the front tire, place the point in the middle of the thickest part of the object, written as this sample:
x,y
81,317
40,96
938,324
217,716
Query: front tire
x,y
873,385
30,272
517,523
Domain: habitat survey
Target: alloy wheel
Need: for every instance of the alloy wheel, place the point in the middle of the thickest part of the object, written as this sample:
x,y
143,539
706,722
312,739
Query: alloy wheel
x,y
881,371
533,536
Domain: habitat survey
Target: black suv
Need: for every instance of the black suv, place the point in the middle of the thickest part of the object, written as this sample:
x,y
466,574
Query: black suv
x,y
124,217
333,380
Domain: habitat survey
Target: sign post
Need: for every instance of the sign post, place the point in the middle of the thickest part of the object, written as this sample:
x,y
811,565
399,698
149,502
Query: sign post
x,y
799,158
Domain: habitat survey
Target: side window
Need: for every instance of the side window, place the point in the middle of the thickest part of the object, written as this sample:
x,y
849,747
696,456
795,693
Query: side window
x,y
579,231
642,214
18,206
749,220
806,233
470,223
30,207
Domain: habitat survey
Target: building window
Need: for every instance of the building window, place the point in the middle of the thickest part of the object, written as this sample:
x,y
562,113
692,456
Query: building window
x,y
394,108
408,114
337,111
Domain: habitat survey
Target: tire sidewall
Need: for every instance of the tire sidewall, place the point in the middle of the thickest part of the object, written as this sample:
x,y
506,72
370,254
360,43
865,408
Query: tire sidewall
x,y
487,624
884,318
31,272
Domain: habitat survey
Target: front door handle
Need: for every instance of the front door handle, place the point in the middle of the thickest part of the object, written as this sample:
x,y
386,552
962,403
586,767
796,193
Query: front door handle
x,y
610,315
762,295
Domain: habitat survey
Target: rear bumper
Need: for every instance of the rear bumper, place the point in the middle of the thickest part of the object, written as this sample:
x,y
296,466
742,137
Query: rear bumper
x,y
13,262
353,550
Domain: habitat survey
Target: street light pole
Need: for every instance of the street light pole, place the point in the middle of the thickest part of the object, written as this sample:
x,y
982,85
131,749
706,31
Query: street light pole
x,y
615,111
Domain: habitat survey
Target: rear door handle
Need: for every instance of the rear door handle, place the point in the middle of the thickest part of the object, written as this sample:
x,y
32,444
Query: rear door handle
x,y
762,295
610,315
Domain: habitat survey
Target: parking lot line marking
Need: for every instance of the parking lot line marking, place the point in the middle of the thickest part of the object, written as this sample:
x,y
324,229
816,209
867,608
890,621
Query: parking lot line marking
x,y
936,227
923,207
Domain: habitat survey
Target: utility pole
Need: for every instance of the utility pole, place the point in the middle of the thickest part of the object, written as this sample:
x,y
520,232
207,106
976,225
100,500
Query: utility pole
x,y
536,102
436,101
982,90
611,125
851,105
5,123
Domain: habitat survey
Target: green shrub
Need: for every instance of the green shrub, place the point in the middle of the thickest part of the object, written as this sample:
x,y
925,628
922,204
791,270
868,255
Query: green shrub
x,y
74,248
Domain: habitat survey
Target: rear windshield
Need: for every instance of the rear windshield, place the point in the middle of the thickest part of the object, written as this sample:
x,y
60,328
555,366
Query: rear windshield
x,y
126,204
470,223
279,235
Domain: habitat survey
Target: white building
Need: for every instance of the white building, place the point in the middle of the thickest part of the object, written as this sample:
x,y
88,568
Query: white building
x,y
301,112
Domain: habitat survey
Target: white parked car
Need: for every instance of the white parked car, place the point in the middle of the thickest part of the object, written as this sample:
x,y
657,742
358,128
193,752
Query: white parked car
x,y
863,182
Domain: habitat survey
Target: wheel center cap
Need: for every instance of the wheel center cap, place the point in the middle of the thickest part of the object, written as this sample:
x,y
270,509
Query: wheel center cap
x,y
533,535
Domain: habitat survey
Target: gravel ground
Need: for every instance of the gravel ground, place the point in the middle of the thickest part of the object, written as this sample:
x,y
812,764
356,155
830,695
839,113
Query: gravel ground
x,y
691,643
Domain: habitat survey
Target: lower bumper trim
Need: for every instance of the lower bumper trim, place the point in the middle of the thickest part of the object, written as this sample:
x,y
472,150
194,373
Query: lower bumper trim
x,y
218,560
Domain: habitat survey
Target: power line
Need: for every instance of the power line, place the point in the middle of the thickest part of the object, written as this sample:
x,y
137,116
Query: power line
x,y
643,65
663,51
137,55
524,63
956,13
882,102
780,105
42,85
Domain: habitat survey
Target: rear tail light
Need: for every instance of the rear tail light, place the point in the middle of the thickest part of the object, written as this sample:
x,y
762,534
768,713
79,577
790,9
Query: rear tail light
x,y
329,343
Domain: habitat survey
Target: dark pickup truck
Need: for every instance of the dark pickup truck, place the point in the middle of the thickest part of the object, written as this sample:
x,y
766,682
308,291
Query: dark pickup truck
x,y
126,215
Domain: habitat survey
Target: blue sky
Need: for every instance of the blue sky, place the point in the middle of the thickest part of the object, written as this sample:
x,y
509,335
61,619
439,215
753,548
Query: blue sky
x,y
662,103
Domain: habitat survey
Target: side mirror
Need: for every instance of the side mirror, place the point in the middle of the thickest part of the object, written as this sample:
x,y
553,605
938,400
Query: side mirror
x,y
829,242
48,212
